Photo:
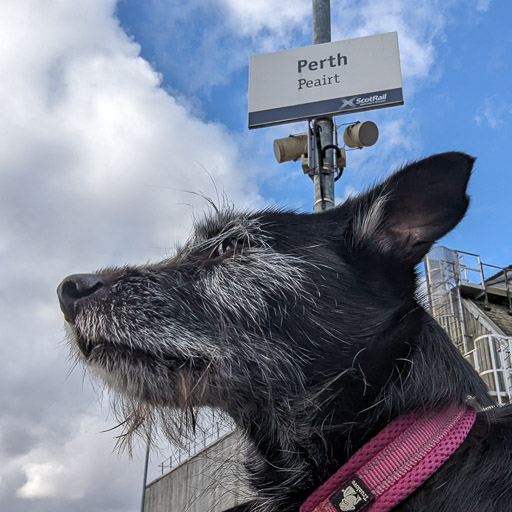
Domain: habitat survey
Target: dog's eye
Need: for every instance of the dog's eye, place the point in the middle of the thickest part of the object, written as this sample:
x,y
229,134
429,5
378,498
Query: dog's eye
x,y
226,246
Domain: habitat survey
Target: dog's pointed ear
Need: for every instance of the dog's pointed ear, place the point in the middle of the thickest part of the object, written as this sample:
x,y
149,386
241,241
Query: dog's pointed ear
x,y
413,208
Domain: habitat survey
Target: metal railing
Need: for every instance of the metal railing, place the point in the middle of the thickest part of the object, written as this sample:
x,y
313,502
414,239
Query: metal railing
x,y
447,273
450,273
492,359
445,304
206,433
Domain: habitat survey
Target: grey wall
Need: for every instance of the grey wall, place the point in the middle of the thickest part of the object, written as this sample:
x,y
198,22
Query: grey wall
x,y
211,481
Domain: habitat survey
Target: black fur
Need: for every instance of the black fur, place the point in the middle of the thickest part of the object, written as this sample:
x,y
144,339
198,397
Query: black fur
x,y
306,330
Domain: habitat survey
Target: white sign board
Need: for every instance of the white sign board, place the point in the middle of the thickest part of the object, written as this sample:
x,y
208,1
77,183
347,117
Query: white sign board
x,y
324,79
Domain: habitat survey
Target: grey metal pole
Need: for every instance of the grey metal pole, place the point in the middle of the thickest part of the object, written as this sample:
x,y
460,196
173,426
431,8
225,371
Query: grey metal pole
x,y
145,479
323,178
321,21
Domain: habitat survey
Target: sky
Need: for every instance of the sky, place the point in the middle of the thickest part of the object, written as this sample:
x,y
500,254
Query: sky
x,y
116,116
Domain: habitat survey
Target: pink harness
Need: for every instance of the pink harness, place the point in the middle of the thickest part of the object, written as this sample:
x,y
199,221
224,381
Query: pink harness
x,y
394,463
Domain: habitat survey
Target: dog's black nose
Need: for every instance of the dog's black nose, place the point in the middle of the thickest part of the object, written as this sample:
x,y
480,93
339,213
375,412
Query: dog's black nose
x,y
75,287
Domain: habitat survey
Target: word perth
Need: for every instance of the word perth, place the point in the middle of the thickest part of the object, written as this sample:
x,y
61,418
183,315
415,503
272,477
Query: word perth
x,y
333,61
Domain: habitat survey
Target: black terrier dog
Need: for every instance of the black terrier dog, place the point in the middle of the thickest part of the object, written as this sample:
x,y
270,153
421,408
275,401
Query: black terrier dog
x,y
306,330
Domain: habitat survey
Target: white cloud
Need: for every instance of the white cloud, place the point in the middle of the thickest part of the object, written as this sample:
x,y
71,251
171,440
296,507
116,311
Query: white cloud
x,y
494,112
348,191
419,24
94,158
238,28
483,5
49,480
87,127
213,53
252,17
79,468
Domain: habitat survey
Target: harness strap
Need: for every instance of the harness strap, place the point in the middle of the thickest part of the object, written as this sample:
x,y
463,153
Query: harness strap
x,y
394,463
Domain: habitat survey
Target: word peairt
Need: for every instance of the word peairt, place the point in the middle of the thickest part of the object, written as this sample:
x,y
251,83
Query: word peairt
x,y
332,61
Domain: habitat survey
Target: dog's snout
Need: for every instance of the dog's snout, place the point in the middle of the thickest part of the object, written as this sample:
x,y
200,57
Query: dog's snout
x,y
75,287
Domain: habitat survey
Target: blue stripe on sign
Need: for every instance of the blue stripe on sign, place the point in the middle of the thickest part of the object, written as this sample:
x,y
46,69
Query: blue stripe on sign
x,y
345,105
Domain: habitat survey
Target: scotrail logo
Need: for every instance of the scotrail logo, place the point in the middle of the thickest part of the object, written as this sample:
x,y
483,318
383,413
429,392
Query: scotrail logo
x,y
363,101
372,100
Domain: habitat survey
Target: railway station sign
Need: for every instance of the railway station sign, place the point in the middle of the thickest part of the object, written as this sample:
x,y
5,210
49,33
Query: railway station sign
x,y
335,78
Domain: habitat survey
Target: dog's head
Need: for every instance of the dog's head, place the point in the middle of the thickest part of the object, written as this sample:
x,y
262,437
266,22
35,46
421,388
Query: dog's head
x,y
259,312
